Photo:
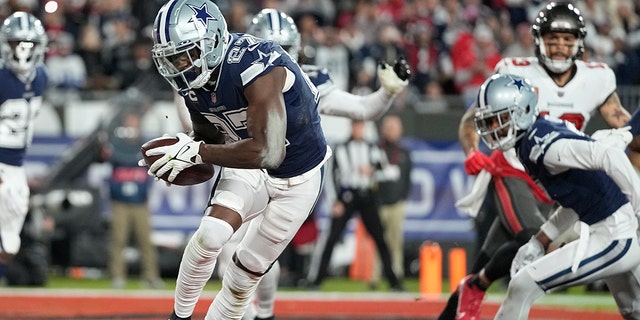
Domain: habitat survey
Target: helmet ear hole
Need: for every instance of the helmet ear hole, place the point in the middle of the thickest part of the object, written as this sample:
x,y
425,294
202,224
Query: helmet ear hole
x,y
523,118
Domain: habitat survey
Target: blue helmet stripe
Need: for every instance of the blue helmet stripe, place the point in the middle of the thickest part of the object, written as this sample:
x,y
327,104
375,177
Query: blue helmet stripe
x,y
163,37
485,98
274,20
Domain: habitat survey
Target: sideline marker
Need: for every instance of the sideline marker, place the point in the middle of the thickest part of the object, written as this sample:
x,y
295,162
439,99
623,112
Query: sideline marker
x,y
362,266
457,267
430,268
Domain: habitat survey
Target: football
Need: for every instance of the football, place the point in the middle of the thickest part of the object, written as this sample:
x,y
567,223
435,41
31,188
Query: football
x,y
193,175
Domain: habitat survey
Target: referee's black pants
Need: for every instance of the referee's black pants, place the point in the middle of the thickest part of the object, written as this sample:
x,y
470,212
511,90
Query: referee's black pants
x,y
364,202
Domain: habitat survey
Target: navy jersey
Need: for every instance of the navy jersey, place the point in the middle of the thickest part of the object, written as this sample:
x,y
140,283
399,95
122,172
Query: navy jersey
x,y
19,105
246,59
320,78
592,194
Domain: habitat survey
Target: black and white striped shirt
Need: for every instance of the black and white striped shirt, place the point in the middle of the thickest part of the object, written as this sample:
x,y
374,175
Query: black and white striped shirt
x,y
349,159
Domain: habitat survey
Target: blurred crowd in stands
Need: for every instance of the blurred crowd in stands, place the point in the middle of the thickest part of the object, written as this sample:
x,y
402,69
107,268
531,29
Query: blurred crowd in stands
x,y
451,45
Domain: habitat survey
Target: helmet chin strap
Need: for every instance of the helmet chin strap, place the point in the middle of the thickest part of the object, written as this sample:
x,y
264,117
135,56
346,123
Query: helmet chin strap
x,y
203,77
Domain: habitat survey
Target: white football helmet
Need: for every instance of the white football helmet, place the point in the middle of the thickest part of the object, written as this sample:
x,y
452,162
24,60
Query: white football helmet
x,y
277,26
190,40
506,108
23,43
559,17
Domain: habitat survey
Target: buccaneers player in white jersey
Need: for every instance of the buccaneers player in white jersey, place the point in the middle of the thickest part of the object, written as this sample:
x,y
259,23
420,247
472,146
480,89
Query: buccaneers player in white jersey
x,y
568,89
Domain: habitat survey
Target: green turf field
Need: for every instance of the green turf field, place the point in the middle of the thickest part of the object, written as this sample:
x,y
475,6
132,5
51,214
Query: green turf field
x,y
577,296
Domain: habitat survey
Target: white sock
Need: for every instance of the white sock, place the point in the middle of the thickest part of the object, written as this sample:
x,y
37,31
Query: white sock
x,y
238,289
198,263
266,291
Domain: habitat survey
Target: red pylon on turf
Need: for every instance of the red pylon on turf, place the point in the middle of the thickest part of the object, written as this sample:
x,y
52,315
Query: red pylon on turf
x,y
430,268
457,267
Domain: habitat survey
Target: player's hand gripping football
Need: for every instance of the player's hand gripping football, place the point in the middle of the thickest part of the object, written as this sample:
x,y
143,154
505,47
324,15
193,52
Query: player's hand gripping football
x,y
176,157
394,79
618,138
528,253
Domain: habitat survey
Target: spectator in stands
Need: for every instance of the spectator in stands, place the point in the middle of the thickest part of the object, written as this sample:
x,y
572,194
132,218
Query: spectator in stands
x,y
238,17
129,212
67,71
523,45
474,55
423,54
332,54
117,53
428,100
139,65
388,45
623,60
625,15
593,11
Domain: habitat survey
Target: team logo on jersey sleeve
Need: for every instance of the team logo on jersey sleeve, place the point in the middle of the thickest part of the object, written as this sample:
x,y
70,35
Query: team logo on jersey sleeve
x,y
540,143
266,59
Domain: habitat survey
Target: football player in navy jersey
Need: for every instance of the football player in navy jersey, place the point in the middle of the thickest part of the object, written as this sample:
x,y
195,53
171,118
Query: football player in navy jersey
x,y
254,114
595,185
23,43
277,26
506,204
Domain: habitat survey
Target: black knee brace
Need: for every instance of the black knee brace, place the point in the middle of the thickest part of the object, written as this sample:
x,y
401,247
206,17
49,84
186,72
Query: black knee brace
x,y
237,262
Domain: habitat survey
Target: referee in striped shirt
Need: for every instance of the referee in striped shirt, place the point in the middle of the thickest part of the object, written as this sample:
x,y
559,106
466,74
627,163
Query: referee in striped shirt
x,y
358,166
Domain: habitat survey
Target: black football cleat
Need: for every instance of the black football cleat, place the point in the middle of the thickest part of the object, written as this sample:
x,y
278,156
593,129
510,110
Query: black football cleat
x,y
173,316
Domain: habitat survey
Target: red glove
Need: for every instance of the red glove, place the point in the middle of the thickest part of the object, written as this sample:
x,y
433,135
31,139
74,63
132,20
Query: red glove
x,y
476,161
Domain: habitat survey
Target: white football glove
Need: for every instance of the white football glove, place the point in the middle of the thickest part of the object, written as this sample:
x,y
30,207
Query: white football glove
x,y
528,253
176,157
394,79
618,138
